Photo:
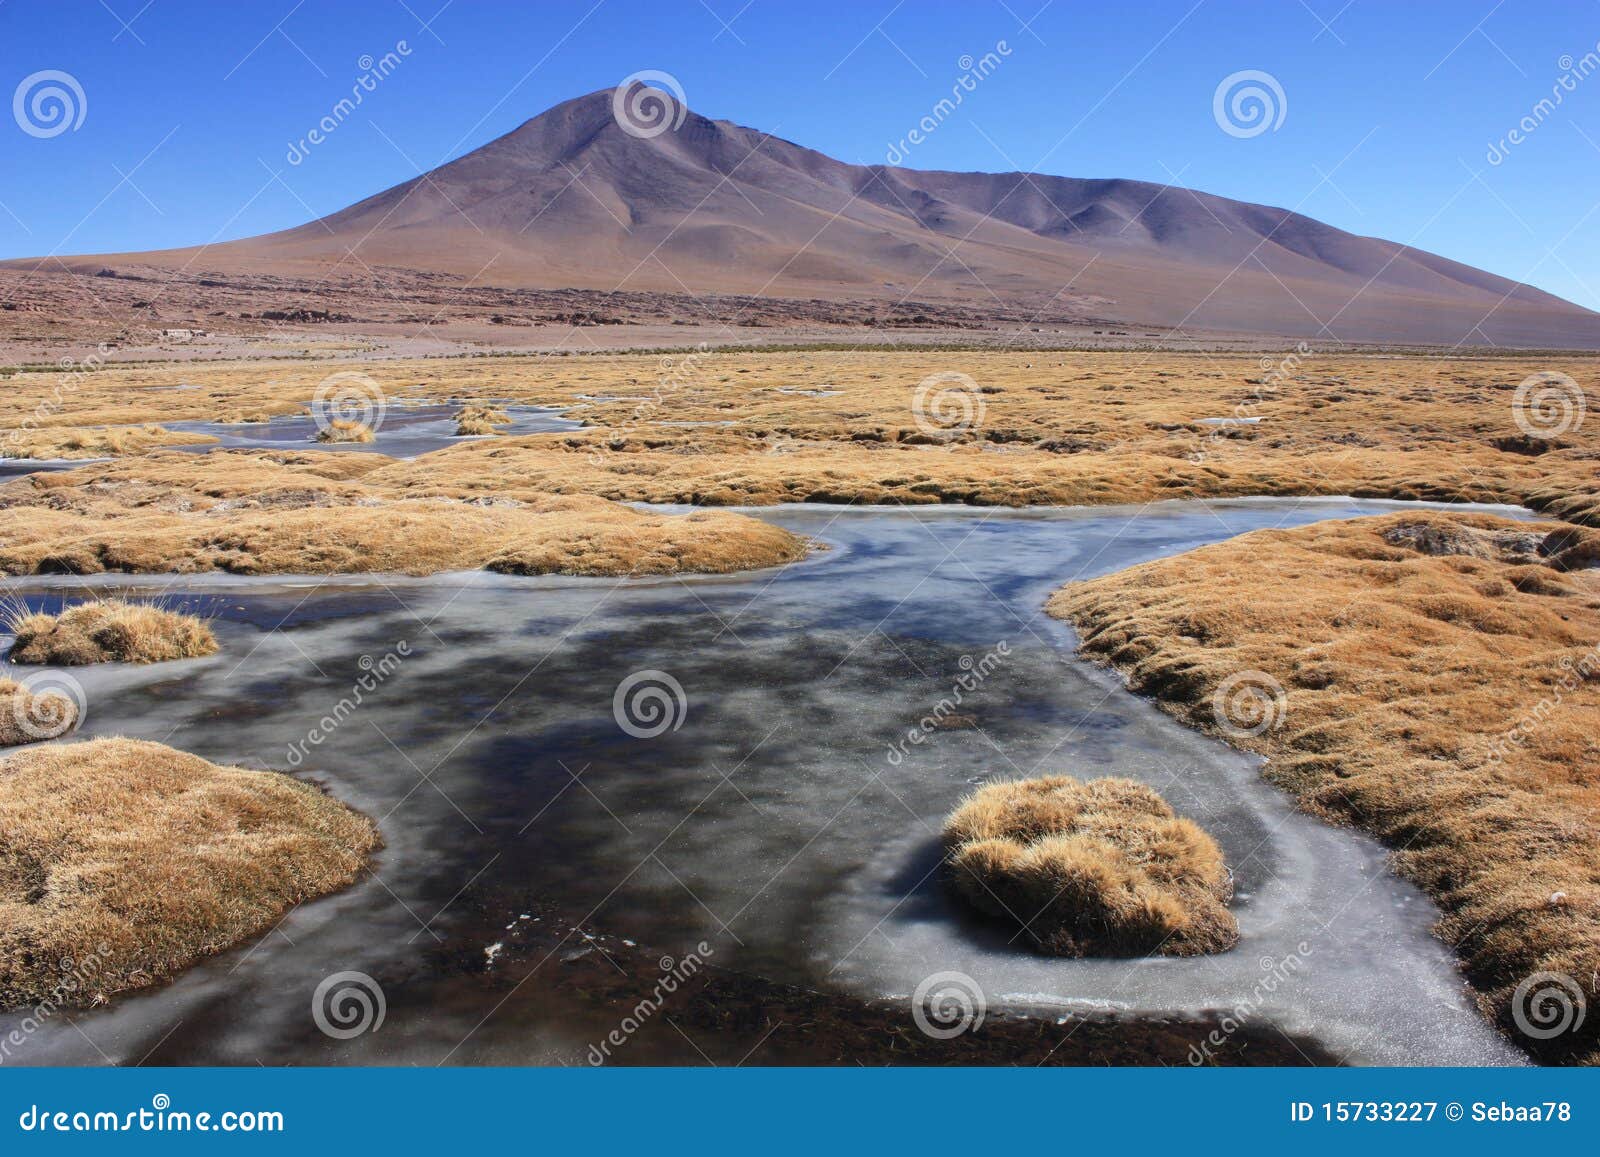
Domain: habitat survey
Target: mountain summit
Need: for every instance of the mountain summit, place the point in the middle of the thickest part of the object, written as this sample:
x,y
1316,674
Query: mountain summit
x,y
583,196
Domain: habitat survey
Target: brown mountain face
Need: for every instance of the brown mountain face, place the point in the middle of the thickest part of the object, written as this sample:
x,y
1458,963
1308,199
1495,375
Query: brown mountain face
x,y
570,199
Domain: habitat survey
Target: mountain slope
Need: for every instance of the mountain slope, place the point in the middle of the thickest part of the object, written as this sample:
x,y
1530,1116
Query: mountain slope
x,y
571,199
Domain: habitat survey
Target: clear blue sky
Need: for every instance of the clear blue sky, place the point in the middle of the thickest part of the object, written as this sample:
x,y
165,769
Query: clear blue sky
x,y
1391,106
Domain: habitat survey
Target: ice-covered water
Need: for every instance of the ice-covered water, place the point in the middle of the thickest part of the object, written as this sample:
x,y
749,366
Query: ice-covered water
x,y
772,822
11,468
405,431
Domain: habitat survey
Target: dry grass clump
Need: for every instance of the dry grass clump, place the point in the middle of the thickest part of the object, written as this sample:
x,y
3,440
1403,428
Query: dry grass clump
x,y
1440,688
26,717
268,513
1096,868
474,420
346,430
588,537
133,860
1443,536
110,442
1572,548
1055,427
107,630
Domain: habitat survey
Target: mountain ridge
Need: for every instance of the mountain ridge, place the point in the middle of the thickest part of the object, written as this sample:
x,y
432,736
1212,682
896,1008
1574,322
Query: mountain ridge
x,y
572,198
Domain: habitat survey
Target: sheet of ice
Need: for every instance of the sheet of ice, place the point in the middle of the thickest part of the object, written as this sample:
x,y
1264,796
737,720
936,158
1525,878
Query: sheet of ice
x,y
21,467
405,431
771,822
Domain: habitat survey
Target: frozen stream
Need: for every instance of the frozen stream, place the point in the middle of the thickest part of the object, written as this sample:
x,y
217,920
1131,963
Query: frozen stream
x,y
771,823
407,430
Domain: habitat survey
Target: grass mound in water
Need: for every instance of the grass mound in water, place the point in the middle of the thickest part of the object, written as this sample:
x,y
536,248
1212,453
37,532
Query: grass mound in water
x,y
1096,868
317,513
346,430
94,442
1432,678
29,717
122,862
478,420
108,630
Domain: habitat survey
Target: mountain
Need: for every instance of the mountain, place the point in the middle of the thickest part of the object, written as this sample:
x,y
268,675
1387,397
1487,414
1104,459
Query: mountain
x,y
571,199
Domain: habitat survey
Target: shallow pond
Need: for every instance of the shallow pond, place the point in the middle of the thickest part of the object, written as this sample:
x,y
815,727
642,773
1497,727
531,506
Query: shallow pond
x,y
405,431
11,468
771,823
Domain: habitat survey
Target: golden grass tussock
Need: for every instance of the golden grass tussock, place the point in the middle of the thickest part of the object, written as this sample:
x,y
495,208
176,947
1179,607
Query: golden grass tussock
x,y
110,442
1433,678
1096,868
122,862
1040,426
588,537
107,630
346,430
29,716
479,420
263,513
